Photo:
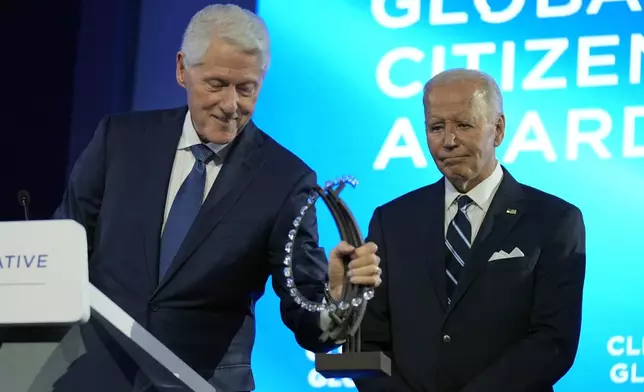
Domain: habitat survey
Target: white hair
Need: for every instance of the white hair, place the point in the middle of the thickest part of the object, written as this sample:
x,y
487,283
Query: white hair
x,y
488,90
233,24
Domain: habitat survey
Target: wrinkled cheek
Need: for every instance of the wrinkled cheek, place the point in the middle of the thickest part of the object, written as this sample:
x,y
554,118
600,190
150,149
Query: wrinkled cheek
x,y
205,100
247,105
209,104
478,163
433,150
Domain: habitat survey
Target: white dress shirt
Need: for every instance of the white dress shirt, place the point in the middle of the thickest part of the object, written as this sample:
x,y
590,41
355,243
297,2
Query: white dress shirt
x,y
482,195
184,160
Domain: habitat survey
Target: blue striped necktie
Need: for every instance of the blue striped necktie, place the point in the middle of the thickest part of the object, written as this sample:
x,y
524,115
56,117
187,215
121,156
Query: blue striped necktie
x,y
185,208
459,242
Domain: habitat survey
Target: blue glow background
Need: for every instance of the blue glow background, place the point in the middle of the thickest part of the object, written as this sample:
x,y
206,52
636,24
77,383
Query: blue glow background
x,y
321,100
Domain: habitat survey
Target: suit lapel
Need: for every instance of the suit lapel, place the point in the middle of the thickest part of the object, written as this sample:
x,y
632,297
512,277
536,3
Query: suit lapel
x,y
240,166
505,211
161,138
433,237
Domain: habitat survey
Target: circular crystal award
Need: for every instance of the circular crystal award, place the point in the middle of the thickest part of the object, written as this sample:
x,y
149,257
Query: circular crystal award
x,y
347,313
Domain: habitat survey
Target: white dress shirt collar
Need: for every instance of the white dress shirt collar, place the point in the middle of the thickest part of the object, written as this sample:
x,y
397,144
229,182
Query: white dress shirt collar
x,y
481,194
190,137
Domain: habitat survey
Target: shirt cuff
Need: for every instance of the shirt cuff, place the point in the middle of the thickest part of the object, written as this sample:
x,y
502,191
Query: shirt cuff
x,y
325,324
325,320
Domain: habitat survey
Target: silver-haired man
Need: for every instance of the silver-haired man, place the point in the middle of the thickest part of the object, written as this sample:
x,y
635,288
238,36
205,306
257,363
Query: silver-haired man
x,y
484,275
187,213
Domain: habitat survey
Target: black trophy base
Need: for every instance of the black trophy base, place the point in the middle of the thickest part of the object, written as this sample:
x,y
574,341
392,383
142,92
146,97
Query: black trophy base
x,y
366,364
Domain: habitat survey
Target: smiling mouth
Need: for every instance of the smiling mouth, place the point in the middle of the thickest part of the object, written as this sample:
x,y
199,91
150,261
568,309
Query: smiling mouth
x,y
223,121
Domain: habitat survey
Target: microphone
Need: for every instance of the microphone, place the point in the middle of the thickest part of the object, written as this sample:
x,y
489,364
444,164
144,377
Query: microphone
x,y
24,198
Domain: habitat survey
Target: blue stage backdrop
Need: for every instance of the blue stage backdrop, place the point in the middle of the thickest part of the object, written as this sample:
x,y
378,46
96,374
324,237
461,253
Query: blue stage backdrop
x,y
344,93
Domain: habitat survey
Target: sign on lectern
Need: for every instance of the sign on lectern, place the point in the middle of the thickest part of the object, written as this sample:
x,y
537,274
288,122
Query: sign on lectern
x,y
43,273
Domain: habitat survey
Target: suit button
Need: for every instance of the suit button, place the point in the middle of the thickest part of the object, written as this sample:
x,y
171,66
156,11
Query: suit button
x,y
447,338
154,306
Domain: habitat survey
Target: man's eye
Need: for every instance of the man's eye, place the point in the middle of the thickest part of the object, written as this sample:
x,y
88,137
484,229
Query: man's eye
x,y
246,89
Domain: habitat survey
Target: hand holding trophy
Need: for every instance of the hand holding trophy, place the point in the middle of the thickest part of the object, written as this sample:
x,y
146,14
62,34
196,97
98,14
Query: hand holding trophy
x,y
353,275
362,270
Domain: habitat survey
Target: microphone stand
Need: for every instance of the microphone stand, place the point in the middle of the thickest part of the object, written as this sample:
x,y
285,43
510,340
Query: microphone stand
x,y
23,199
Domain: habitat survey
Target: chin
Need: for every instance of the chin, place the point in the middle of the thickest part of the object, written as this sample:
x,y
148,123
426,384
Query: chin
x,y
451,171
455,175
218,136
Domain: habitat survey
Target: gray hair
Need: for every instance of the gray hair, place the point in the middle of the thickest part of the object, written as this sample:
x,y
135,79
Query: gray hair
x,y
233,24
488,91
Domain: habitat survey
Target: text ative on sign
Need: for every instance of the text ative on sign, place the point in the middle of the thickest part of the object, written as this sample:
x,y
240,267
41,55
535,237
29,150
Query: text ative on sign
x,y
25,261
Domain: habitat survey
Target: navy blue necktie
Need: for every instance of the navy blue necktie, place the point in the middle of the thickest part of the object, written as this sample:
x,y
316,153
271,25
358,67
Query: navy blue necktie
x,y
185,208
459,241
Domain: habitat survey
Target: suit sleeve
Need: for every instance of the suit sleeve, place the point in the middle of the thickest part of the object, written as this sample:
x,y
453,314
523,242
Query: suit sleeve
x,y
548,350
310,266
84,194
375,329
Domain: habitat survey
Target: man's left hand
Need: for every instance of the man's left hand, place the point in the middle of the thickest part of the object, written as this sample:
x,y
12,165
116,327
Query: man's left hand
x,y
362,270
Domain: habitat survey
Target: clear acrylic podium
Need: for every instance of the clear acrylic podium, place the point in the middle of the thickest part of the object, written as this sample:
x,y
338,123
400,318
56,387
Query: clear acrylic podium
x,y
45,295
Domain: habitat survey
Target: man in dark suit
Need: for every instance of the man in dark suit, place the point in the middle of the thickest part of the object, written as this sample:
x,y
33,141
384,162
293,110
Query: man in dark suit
x,y
482,276
188,211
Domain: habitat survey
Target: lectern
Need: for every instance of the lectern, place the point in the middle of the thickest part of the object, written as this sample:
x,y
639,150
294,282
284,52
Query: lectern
x,y
46,295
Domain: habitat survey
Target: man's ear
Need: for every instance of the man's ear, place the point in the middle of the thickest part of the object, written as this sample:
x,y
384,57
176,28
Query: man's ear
x,y
181,69
499,130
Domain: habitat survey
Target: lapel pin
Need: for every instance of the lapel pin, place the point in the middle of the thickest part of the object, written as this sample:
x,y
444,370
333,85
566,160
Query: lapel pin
x,y
511,211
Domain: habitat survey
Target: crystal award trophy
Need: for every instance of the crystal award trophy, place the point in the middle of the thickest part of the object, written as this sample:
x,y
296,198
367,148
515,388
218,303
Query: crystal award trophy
x,y
347,313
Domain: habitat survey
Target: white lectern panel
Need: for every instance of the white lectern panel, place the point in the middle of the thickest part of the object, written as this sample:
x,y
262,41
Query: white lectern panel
x,y
43,273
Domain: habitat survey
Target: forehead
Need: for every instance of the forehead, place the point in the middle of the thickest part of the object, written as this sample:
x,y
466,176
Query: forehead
x,y
224,61
453,99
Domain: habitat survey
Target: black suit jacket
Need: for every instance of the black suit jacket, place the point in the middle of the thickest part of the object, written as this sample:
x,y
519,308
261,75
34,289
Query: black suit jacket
x,y
203,309
513,324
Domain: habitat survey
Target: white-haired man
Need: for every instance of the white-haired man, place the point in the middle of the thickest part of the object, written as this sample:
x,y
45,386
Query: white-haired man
x,y
483,276
188,212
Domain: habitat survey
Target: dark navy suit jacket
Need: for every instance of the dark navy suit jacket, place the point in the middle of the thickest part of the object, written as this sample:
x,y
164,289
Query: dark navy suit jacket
x,y
203,309
513,324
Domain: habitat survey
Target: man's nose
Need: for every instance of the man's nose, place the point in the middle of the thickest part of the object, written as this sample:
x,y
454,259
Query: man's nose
x,y
229,101
449,138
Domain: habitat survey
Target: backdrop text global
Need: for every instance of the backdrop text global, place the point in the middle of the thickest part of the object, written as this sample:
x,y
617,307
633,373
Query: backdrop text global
x,y
598,59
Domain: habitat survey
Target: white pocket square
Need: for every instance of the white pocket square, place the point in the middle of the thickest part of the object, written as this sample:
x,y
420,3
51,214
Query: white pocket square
x,y
516,252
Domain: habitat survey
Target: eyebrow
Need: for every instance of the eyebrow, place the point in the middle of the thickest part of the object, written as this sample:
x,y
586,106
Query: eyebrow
x,y
224,81
457,117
